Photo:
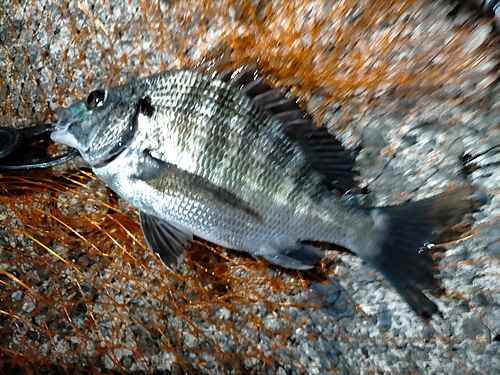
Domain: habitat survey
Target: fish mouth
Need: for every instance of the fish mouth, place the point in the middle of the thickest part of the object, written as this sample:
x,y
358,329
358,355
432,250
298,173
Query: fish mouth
x,y
105,162
60,134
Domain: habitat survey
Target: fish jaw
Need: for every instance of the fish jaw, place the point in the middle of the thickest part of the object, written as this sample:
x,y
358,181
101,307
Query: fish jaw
x,y
61,134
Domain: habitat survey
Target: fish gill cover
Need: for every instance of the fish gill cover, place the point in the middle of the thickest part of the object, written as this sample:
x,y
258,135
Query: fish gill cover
x,y
413,83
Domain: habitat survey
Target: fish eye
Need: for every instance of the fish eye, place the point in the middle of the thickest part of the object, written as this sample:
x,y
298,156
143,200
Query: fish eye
x,y
95,99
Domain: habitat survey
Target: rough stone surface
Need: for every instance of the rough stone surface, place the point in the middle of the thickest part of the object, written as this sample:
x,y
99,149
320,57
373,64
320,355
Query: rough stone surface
x,y
111,315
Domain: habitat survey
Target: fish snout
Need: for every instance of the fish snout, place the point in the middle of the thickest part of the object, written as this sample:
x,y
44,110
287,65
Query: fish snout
x,y
64,119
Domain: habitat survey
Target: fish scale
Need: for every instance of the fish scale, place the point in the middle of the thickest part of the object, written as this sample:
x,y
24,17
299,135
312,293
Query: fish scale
x,y
228,159
245,123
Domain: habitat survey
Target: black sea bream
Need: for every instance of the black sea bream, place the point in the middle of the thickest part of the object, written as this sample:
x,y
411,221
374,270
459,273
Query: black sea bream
x,y
226,158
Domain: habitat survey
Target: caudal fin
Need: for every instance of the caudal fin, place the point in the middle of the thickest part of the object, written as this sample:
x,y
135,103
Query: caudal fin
x,y
402,234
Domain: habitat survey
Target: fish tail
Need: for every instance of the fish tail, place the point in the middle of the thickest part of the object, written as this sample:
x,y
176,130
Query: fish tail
x,y
403,236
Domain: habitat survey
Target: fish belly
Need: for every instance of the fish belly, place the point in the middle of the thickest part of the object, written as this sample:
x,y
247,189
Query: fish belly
x,y
263,229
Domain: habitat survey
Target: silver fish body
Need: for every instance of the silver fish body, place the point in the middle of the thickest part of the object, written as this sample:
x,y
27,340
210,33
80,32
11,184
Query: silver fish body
x,y
225,159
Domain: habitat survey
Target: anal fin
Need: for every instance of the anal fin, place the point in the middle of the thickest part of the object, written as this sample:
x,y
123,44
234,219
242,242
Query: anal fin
x,y
299,256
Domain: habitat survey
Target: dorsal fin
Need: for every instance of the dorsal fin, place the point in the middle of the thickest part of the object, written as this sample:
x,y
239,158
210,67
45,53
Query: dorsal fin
x,y
326,153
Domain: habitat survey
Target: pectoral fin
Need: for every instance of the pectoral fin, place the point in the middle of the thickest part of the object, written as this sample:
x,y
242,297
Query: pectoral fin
x,y
170,179
165,239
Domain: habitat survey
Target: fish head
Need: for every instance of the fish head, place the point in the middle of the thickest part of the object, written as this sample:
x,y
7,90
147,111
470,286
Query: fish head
x,y
102,125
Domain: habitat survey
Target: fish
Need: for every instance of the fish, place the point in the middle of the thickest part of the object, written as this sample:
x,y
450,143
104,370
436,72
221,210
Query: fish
x,y
224,157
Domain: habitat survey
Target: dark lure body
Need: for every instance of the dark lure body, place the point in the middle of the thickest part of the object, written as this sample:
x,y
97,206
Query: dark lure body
x,y
230,160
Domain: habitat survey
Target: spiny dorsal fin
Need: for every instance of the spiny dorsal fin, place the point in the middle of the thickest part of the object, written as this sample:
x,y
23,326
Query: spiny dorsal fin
x,y
326,153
